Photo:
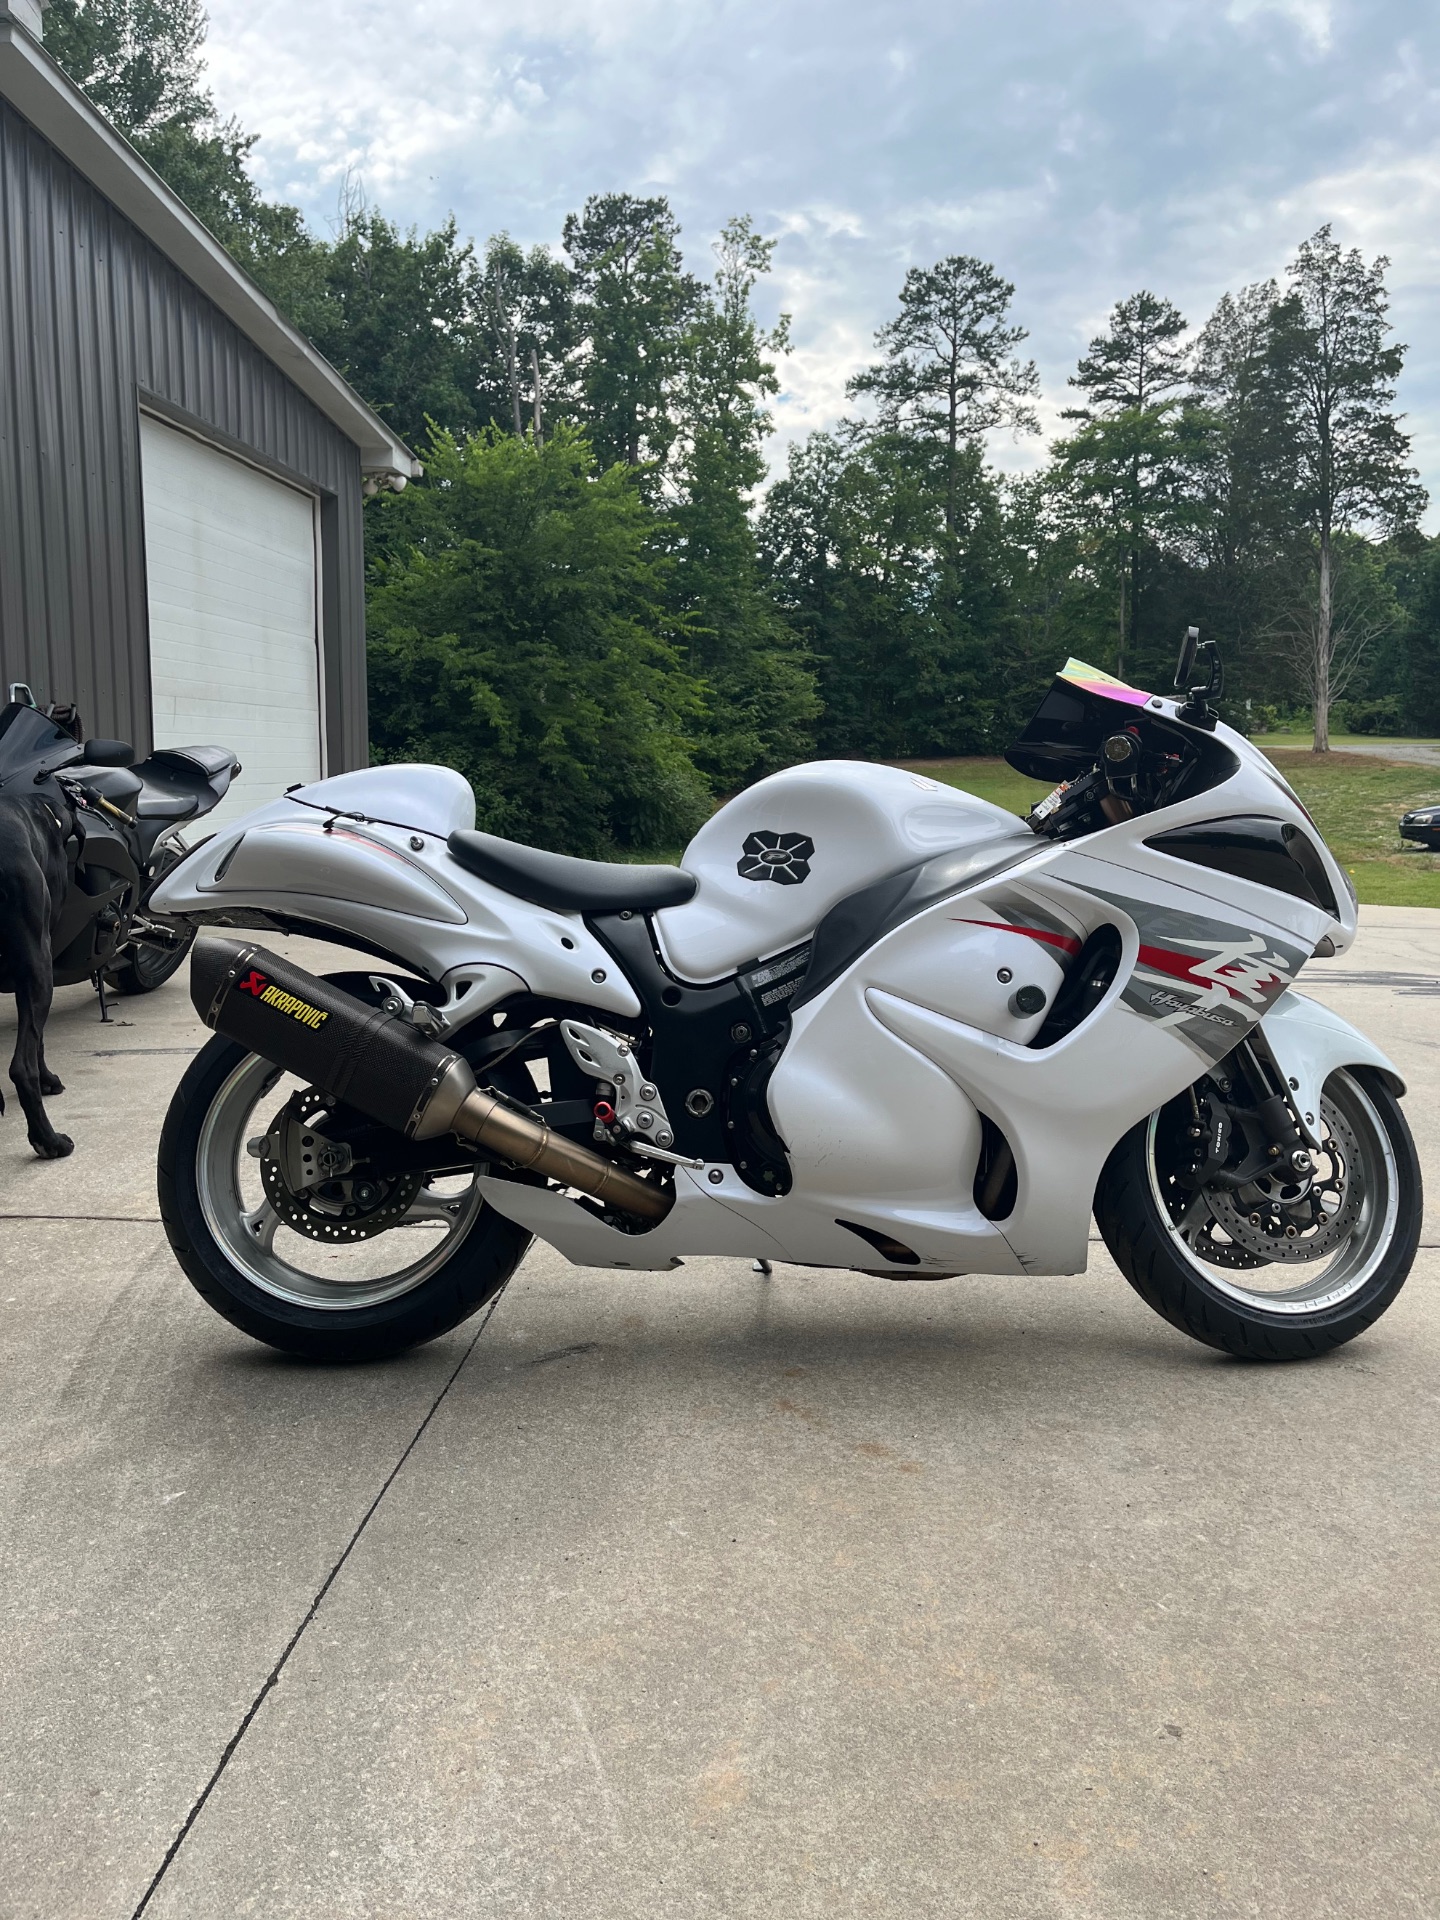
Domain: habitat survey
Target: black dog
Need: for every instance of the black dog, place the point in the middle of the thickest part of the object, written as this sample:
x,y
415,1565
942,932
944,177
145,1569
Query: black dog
x,y
34,875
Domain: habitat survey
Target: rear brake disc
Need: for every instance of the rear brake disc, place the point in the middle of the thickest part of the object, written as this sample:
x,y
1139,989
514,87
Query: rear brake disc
x,y
314,1184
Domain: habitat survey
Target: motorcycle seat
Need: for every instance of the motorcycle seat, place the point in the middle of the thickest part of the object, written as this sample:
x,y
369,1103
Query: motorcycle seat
x,y
569,885
176,781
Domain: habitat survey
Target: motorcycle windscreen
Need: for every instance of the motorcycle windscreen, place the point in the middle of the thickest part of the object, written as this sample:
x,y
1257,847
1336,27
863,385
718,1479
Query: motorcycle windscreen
x,y
27,734
1064,735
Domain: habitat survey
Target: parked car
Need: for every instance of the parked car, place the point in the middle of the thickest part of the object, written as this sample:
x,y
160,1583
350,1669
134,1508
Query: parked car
x,y
1422,824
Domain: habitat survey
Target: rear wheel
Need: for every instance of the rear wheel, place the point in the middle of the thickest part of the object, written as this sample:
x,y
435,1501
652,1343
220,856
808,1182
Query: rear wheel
x,y
305,1247
1282,1269
141,966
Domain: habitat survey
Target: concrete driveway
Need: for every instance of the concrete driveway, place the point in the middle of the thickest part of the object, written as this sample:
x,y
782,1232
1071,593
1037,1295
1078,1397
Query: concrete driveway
x,y
702,1594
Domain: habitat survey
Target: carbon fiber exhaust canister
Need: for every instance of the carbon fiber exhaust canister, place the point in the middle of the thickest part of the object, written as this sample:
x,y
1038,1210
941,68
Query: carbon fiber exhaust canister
x,y
317,1031
385,1067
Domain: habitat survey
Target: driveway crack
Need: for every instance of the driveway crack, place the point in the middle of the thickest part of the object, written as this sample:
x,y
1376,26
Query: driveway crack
x,y
272,1679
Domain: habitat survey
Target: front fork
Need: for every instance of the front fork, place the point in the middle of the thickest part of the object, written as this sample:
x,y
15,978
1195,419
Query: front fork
x,y
1248,1104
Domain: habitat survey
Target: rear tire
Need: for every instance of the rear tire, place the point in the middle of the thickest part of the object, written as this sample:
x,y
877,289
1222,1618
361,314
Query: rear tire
x,y
205,1219
1211,1301
141,968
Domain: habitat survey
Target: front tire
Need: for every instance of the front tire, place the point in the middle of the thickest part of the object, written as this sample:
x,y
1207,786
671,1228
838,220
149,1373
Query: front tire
x,y
1225,1292
345,1299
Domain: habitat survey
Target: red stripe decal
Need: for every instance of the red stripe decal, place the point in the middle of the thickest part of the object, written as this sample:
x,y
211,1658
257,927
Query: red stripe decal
x,y
1066,942
1166,960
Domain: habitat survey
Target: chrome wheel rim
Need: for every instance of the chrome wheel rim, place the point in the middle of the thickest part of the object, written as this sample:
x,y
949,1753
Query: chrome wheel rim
x,y
288,1265
1367,1187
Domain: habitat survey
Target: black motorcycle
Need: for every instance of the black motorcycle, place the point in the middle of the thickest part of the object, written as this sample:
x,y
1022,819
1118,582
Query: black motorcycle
x,y
128,821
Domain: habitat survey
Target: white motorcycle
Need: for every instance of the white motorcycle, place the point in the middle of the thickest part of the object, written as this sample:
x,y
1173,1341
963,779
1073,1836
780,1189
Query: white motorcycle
x,y
869,1022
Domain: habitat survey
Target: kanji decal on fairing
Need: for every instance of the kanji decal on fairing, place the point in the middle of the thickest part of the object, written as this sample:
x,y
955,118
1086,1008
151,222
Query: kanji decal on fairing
x,y
1209,981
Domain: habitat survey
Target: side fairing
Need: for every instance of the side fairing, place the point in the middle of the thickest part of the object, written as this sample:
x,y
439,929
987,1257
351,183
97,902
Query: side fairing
x,y
1195,976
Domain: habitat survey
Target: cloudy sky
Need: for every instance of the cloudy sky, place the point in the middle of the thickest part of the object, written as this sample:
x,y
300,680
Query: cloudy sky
x,y
1086,147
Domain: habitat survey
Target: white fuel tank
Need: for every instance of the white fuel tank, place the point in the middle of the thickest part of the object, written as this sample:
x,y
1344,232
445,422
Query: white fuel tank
x,y
774,860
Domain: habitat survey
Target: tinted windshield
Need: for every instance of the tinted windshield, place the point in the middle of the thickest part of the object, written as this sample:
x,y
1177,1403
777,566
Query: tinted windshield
x,y
27,735
1064,737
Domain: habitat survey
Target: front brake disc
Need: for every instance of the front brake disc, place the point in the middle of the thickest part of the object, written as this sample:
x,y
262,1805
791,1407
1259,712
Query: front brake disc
x,y
1282,1218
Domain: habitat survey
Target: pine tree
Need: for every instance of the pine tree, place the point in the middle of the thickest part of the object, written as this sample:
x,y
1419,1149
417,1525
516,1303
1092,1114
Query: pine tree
x,y
762,689
950,372
1122,457
1349,455
634,305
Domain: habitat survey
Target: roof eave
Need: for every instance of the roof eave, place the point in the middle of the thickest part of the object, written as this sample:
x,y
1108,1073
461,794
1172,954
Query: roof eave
x,y
56,107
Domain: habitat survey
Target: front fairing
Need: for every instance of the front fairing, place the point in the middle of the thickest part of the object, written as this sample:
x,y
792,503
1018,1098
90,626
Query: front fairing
x,y
1232,780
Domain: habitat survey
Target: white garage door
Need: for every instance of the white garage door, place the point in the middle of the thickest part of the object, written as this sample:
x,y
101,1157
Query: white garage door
x,y
230,557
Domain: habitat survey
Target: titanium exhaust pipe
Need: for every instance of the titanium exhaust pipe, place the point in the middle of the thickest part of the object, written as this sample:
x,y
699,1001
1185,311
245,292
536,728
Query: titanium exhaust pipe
x,y
387,1068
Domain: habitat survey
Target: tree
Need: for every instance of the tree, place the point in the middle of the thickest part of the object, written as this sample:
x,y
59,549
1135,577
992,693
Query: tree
x,y
1136,363
1349,454
395,313
634,304
1423,645
140,62
525,316
1122,455
520,635
1356,602
905,645
762,691
950,372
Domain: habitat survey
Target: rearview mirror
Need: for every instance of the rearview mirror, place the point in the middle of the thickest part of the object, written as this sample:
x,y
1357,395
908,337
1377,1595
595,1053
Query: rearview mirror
x,y
108,753
1185,668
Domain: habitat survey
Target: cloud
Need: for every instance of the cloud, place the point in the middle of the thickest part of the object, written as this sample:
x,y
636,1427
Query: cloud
x,y
1086,147
1313,17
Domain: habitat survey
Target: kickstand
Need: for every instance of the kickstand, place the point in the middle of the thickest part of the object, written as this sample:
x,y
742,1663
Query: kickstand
x,y
104,1003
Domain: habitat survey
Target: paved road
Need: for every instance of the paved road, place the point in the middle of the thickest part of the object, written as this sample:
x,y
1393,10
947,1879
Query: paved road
x,y
1421,756
703,1594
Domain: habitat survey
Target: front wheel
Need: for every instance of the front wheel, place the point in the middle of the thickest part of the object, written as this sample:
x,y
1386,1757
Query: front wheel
x,y
313,1230
1273,1272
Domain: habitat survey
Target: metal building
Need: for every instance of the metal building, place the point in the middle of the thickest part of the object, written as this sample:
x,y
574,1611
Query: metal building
x,y
181,472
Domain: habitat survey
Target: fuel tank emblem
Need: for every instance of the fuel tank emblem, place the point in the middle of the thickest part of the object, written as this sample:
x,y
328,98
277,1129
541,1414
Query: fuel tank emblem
x,y
782,857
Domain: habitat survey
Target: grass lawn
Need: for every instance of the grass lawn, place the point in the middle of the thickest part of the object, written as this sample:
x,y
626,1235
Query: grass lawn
x,y
1306,740
1356,801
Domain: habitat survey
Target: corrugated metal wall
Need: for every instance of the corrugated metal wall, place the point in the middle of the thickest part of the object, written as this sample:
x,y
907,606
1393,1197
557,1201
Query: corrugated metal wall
x,y
95,323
